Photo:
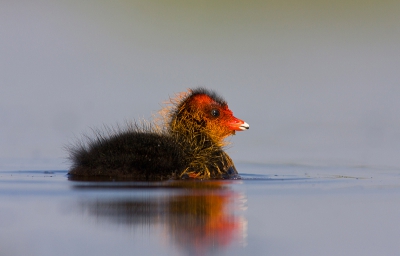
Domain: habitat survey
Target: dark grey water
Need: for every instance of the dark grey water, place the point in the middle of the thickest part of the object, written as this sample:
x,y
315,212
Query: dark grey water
x,y
273,210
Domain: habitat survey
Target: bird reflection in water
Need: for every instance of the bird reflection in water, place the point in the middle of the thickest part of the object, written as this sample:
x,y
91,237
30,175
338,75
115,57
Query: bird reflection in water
x,y
198,216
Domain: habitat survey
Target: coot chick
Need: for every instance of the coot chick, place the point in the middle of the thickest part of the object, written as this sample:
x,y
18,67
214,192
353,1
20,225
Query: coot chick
x,y
186,142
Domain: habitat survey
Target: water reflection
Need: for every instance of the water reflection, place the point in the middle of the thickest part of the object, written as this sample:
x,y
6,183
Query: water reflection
x,y
199,217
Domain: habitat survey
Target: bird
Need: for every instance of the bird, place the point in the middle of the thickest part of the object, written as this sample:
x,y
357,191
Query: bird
x,y
185,141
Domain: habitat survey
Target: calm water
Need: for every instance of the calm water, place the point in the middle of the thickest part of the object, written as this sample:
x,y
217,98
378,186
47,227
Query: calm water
x,y
273,210
316,80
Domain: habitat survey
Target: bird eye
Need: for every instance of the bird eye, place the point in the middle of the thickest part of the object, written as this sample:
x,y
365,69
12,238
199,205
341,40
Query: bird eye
x,y
215,113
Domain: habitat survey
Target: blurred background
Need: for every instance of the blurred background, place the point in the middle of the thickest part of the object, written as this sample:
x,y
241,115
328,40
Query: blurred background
x,y
318,81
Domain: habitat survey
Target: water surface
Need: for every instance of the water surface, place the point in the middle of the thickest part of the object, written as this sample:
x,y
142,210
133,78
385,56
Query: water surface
x,y
272,210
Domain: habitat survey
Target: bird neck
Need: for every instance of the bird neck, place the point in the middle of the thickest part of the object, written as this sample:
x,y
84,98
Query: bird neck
x,y
196,133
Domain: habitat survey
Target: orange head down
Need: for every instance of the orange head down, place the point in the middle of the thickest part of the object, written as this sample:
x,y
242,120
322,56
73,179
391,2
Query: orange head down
x,y
202,112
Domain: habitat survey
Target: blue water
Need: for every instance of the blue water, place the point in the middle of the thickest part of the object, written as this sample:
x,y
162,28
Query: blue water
x,y
272,210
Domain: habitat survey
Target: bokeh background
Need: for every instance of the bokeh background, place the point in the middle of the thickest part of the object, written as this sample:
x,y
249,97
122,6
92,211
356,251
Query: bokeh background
x,y
318,81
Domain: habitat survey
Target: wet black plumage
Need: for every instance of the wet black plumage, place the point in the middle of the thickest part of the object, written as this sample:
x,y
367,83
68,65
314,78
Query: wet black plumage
x,y
187,144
